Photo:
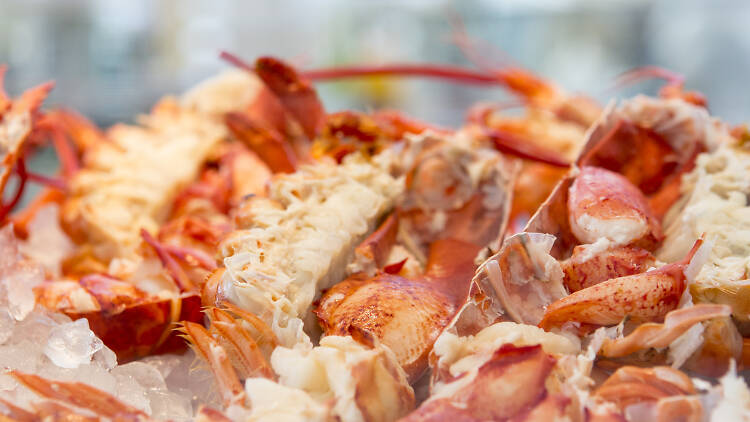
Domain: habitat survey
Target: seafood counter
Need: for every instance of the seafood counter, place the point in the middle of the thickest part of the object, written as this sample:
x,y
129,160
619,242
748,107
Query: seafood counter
x,y
240,253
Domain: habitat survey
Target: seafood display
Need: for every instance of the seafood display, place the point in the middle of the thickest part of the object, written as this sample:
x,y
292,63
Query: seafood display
x,y
241,253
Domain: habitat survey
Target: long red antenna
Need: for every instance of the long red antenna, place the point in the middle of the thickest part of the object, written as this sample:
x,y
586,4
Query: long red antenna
x,y
674,87
648,72
453,73
231,58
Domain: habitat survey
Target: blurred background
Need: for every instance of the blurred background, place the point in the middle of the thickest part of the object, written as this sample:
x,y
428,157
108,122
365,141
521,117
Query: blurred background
x,y
114,59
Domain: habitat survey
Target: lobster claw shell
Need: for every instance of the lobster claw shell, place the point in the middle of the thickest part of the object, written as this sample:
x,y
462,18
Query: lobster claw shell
x,y
296,94
144,328
552,218
642,297
405,314
515,284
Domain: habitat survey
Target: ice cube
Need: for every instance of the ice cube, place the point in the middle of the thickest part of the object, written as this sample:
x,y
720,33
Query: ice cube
x,y
72,344
23,356
190,379
167,405
105,358
143,385
19,284
36,328
189,386
144,374
128,389
18,276
165,364
47,244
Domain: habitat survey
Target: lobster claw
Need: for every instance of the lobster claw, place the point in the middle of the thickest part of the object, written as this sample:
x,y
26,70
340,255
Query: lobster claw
x,y
296,94
641,297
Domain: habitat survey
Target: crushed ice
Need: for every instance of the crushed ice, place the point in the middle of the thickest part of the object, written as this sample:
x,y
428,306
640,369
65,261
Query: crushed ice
x,y
72,344
47,243
19,276
37,341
